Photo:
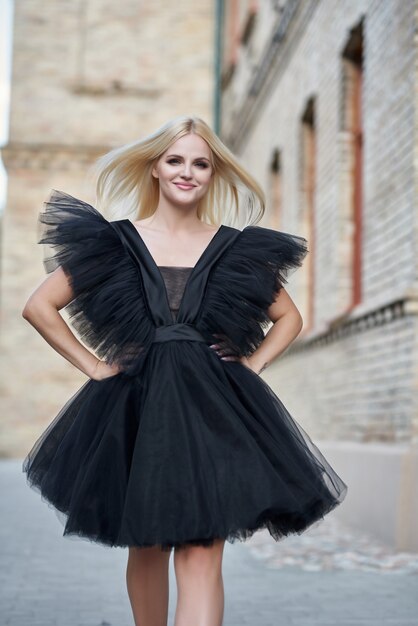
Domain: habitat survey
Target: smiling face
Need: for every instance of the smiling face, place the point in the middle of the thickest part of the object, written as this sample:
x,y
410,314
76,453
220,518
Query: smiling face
x,y
184,170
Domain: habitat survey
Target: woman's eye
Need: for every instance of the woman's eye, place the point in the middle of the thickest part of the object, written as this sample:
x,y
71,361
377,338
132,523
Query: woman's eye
x,y
200,163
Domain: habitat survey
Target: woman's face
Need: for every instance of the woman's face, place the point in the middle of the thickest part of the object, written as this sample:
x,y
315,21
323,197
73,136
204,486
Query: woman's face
x,y
185,170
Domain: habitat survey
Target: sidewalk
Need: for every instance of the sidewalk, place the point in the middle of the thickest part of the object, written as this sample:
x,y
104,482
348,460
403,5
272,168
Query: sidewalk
x,y
47,579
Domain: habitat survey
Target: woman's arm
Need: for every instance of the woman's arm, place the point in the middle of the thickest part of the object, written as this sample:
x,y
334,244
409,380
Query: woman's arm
x,y
42,312
287,325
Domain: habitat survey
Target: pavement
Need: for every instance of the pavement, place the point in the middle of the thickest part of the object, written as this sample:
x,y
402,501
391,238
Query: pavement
x,y
331,545
328,576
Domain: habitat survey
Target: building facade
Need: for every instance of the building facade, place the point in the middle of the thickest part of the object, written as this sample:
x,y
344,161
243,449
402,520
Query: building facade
x,y
87,76
319,101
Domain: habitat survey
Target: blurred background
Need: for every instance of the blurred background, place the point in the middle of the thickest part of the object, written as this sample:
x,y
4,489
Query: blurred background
x,y
319,99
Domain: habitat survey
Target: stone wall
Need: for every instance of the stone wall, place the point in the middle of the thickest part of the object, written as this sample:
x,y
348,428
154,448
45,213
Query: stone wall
x,y
86,76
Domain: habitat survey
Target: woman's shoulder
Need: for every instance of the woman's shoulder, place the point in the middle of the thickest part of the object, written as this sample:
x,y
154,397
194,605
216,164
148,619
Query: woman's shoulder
x,y
263,241
62,201
261,255
75,231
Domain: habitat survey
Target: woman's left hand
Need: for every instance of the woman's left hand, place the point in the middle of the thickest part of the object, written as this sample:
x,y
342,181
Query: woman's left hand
x,y
225,357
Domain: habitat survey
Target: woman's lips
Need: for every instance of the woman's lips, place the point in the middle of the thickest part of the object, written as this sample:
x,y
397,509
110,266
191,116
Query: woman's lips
x,y
184,187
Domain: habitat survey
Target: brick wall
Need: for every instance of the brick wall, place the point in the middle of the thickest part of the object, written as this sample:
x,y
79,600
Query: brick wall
x,y
85,77
360,385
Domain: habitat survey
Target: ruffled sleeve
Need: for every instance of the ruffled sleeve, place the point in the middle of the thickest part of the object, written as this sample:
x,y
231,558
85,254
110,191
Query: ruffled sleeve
x,y
244,284
108,310
277,253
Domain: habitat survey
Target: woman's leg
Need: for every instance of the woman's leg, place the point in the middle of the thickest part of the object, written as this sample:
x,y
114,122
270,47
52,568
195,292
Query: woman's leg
x,y
147,583
200,591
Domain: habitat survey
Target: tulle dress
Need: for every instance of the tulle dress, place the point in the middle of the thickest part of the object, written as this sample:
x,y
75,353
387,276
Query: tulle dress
x,y
180,447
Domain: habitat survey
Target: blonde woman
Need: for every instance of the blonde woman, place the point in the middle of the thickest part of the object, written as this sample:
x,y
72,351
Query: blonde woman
x,y
174,443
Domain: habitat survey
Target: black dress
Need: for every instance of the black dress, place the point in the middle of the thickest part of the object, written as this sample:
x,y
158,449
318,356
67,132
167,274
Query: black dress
x,y
180,447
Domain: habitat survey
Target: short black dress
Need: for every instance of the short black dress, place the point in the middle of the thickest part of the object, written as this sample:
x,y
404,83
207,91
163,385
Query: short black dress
x,y
180,447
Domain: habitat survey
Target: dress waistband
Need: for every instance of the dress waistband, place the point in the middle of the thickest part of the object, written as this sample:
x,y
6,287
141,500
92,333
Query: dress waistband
x,y
176,332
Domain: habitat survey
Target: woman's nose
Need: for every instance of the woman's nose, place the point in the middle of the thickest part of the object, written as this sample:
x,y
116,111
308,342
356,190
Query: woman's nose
x,y
187,170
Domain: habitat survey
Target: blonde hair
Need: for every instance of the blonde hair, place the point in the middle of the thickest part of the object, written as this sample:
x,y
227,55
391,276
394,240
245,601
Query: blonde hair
x,y
125,185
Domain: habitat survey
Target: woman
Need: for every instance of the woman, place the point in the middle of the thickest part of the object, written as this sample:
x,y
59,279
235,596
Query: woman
x,y
174,441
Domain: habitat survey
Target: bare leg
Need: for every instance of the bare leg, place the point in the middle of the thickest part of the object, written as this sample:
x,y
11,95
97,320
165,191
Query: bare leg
x,y
200,591
147,583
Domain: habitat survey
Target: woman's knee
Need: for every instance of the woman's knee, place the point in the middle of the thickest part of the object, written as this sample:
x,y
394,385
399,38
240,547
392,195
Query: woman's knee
x,y
197,561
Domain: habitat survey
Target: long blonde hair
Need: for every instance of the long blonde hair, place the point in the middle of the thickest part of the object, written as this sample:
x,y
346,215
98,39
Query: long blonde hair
x,y
125,186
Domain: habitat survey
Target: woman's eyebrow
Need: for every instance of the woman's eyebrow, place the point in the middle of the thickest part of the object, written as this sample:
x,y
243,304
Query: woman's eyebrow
x,y
179,156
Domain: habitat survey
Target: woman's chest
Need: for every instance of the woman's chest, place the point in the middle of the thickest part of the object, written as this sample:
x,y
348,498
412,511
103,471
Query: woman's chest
x,y
175,279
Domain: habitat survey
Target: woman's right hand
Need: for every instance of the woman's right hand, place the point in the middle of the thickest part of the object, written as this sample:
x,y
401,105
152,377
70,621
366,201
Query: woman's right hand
x,y
103,370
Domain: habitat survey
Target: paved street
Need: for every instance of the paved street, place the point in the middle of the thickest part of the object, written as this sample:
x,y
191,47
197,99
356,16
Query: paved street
x,y
50,580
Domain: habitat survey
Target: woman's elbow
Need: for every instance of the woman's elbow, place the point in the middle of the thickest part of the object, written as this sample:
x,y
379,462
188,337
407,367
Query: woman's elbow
x,y
300,323
28,311
32,310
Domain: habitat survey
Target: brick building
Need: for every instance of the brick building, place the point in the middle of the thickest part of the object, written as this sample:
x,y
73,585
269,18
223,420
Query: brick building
x,y
86,77
319,100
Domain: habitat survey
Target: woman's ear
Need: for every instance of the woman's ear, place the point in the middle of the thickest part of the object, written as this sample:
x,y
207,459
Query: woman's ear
x,y
154,171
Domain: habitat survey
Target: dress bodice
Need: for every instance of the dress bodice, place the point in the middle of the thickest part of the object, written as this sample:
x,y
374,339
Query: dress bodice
x,y
175,278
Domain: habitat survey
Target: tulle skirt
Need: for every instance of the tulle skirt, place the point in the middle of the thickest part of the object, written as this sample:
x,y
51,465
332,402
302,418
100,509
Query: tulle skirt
x,y
191,450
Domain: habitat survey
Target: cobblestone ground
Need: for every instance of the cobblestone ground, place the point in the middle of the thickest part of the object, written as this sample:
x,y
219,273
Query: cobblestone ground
x,y
336,577
331,545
